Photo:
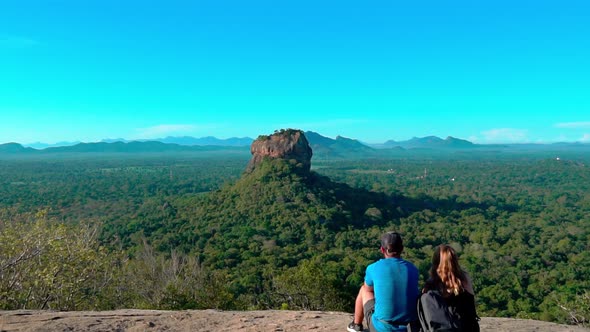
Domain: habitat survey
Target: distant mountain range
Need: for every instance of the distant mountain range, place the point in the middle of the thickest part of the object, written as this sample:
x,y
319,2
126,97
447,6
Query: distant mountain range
x,y
339,147
323,147
115,147
428,142
15,148
39,145
182,140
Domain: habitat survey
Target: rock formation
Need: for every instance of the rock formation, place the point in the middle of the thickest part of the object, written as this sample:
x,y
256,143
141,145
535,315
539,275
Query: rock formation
x,y
220,321
289,144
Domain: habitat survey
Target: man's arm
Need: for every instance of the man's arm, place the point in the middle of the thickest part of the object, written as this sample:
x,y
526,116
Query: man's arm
x,y
367,288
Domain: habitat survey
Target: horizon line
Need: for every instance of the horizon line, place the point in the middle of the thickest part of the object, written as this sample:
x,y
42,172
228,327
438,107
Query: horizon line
x,y
158,139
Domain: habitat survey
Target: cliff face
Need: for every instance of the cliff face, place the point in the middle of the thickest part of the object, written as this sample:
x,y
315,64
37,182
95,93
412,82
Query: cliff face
x,y
287,144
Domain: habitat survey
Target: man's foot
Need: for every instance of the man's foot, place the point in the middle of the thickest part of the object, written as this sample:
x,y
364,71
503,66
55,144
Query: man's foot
x,y
353,327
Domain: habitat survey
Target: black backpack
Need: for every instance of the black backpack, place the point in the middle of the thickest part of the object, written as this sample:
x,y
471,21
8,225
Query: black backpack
x,y
454,313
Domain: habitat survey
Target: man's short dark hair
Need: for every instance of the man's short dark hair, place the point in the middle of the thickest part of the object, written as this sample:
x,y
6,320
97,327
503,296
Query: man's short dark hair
x,y
392,243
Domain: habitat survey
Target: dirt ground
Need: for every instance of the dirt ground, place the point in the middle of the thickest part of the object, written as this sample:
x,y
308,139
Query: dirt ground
x,y
213,320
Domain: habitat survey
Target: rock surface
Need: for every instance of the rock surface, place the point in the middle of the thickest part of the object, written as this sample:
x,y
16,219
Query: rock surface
x,y
285,144
213,320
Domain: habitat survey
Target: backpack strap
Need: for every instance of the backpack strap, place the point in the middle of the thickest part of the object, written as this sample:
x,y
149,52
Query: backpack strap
x,y
424,326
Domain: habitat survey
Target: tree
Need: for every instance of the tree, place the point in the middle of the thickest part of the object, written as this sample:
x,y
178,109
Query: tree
x,y
49,265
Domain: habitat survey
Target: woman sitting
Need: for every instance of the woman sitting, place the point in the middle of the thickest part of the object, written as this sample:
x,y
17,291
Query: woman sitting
x,y
448,301
446,275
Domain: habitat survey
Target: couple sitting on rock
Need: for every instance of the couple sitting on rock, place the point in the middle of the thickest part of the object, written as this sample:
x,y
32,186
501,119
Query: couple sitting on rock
x,y
390,299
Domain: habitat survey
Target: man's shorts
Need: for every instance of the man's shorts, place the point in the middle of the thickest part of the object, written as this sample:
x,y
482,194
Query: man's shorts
x,y
369,309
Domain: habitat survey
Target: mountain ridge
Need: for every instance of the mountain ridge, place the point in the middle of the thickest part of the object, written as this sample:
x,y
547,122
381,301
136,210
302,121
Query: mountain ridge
x,y
324,147
339,147
180,140
431,140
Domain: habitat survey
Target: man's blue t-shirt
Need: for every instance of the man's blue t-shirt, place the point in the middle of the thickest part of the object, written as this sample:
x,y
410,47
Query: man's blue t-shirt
x,y
395,283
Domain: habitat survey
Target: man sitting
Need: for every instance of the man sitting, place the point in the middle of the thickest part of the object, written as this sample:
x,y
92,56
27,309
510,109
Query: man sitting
x,y
388,297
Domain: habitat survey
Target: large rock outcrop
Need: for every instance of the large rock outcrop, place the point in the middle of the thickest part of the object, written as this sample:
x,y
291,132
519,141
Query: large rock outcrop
x,y
288,144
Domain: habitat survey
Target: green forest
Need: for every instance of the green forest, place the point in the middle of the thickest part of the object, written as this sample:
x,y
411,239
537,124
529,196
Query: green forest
x,y
192,230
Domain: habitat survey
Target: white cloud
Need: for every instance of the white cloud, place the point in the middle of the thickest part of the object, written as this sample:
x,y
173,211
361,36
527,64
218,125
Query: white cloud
x,y
17,42
166,130
585,138
580,124
505,135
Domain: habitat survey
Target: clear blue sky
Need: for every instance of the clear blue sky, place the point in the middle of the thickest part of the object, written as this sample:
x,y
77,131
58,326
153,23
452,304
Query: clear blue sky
x,y
487,71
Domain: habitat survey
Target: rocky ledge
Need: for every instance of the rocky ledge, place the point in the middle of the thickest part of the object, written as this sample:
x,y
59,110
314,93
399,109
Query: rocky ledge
x,y
213,320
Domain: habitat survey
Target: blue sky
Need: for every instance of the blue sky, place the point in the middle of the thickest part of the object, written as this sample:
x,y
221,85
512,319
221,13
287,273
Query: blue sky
x,y
487,71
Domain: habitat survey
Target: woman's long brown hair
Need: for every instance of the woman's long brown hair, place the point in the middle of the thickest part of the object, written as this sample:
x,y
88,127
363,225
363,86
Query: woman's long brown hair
x,y
445,270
